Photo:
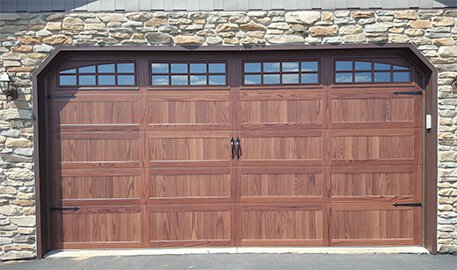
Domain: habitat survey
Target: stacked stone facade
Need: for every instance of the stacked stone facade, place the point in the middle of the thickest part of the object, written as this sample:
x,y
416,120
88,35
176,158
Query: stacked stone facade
x,y
27,39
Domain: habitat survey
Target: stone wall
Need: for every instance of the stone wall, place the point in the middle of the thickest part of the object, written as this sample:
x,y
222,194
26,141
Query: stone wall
x,y
27,39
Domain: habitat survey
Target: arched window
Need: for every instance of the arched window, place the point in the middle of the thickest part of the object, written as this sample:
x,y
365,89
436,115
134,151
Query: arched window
x,y
109,74
347,71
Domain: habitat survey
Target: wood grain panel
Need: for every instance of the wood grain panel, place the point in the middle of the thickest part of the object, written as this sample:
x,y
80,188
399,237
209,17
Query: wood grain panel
x,y
99,112
188,112
188,186
99,149
189,149
282,148
100,225
380,225
375,110
372,147
281,186
186,225
386,184
286,224
283,112
101,187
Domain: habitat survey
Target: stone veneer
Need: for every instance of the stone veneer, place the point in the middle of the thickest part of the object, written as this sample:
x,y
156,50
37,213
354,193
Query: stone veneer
x,y
27,39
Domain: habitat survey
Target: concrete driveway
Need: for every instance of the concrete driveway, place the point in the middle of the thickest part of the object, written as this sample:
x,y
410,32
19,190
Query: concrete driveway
x,y
245,261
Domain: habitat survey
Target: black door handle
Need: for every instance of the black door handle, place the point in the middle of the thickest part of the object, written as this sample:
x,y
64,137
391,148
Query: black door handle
x,y
238,148
232,144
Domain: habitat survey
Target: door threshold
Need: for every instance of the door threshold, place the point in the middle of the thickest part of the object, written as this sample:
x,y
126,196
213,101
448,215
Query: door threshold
x,y
86,253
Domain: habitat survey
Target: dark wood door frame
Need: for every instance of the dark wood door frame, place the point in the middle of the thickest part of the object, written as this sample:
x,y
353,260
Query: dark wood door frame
x,y
407,51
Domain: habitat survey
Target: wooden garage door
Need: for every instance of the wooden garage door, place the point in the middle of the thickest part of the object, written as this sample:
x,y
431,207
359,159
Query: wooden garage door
x,y
235,150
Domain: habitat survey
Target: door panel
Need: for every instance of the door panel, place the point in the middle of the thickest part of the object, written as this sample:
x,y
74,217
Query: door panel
x,y
378,226
281,185
275,109
99,227
190,184
195,110
186,226
298,225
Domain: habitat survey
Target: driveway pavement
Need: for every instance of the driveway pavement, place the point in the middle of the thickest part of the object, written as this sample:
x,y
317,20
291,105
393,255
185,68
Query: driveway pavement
x,y
244,261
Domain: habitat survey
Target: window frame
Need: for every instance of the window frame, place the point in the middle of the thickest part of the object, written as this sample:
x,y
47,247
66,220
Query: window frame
x,y
188,74
409,69
80,64
261,61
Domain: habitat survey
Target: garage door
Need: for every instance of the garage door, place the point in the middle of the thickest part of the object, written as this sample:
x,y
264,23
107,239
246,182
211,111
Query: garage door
x,y
235,149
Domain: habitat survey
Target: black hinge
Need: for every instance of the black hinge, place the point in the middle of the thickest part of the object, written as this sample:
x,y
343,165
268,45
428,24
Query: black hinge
x,y
62,97
413,93
418,204
64,208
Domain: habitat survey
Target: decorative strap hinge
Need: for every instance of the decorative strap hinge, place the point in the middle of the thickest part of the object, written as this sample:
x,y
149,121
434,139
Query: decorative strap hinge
x,y
408,204
64,208
412,93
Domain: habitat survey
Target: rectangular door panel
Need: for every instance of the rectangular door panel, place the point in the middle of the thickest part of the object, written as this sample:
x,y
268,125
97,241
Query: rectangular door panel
x,y
96,112
299,225
281,113
281,184
100,185
99,150
188,149
98,227
374,111
375,145
190,184
199,114
388,226
382,183
281,147
187,227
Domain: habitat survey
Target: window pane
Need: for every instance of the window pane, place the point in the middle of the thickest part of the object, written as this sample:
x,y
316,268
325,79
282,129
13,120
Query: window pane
x,y
271,79
343,65
310,78
108,68
178,68
106,80
179,80
216,68
87,79
290,78
198,80
159,68
197,68
126,68
68,71
160,80
252,67
290,66
252,79
271,67
343,77
382,76
363,77
310,66
67,80
126,80
88,69
400,68
401,76
217,80
379,66
362,65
